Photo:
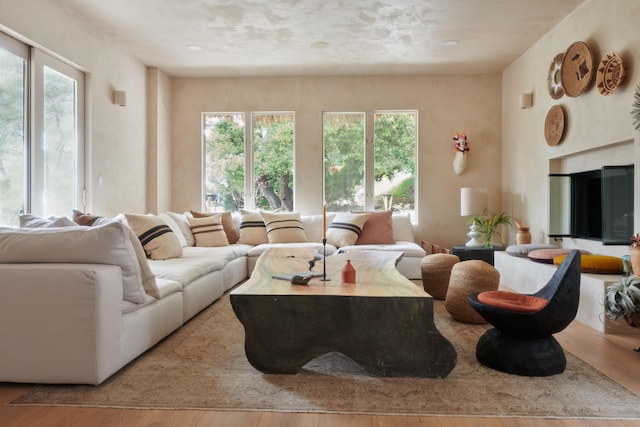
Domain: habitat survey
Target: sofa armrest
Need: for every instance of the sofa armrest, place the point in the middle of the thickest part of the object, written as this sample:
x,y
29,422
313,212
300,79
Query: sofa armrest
x,y
60,323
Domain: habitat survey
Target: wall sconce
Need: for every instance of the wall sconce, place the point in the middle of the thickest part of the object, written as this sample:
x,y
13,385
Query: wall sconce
x,y
120,98
526,100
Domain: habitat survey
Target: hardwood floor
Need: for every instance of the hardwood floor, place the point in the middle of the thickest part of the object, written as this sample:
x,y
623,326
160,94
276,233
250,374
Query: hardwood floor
x,y
611,354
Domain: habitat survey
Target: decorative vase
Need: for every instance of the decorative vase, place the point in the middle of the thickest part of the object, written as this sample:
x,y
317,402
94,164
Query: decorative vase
x,y
523,236
459,162
634,252
348,273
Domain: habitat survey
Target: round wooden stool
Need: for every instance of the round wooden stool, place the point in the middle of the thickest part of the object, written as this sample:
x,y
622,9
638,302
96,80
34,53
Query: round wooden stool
x,y
436,270
468,277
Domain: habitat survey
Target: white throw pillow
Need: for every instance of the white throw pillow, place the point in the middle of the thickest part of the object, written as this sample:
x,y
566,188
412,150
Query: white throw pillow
x,y
175,228
284,227
148,278
402,228
183,223
33,221
104,244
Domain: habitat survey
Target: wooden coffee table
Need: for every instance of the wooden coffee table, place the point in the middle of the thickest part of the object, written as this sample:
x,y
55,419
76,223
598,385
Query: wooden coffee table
x,y
384,322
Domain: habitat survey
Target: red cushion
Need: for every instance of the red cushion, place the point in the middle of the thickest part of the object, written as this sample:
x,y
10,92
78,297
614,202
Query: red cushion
x,y
512,301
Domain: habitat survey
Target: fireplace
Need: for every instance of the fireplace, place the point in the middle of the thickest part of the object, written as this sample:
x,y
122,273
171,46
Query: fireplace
x,y
595,204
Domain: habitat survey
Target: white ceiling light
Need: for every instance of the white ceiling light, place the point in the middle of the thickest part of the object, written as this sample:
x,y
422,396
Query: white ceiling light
x,y
451,42
193,48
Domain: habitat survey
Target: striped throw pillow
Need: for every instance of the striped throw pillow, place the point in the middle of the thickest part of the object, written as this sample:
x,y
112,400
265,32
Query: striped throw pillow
x,y
208,231
346,228
157,238
284,227
252,228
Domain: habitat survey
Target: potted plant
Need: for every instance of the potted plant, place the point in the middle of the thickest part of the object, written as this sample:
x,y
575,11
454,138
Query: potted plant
x,y
622,299
489,225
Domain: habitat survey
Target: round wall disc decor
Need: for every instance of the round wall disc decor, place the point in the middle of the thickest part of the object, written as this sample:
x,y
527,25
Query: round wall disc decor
x,y
554,78
610,74
577,69
554,125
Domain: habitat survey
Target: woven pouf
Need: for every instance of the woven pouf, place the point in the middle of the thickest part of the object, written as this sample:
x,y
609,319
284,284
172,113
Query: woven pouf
x,y
468,277
436,270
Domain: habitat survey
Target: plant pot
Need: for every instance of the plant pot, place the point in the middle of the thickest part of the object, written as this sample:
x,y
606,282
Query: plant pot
x,y
634,253
523,236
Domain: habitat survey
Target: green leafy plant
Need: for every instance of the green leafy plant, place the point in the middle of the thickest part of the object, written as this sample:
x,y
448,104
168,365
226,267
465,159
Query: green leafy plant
x,y
489,224
622,299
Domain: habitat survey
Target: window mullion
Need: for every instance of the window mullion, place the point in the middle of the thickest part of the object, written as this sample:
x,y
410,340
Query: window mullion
x,y
369,203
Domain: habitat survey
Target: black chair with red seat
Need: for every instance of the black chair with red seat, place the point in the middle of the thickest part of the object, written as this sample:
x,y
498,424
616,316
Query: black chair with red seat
x,y
521,341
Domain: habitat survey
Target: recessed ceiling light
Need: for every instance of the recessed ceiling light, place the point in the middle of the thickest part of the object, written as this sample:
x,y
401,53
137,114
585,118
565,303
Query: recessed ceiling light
x,y
319,45
451,42
193,48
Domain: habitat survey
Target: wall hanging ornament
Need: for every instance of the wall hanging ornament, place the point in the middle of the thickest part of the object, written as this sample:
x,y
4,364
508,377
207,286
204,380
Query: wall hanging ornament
x,y
636,108
460,148
554,79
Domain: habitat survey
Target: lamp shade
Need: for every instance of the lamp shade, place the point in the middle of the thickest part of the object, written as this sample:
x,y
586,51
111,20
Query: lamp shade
x,y
473,201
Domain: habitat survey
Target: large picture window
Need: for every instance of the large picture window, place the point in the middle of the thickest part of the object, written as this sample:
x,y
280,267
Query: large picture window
x,y
41,144
361,172
248,164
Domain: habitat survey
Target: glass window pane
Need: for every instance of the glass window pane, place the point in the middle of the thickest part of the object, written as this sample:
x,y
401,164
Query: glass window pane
x,y
344,138
60,142
12,137
273,160
394,161
224,161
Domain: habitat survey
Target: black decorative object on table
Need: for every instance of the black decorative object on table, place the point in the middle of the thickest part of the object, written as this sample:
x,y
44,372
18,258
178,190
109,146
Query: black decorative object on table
x,y
466,253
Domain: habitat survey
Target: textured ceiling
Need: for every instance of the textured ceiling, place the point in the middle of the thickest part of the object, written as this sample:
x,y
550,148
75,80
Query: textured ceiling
x,y
287,37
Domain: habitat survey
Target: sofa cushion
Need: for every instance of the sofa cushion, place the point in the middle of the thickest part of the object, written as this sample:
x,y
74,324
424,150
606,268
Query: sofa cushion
x,y
33,221
195,263
227,223
284,227
596,264
183,223
409,249
157,238
346,228
102,244
256,251
377,230
252,228
402,228
546,256
523,250
208,230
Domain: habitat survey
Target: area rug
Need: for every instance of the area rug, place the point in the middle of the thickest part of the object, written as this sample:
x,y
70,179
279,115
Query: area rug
x,y
203,366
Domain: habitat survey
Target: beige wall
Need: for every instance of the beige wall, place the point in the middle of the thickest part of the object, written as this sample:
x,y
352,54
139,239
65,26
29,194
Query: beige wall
x,y
599,129
115,136
158,141
446,104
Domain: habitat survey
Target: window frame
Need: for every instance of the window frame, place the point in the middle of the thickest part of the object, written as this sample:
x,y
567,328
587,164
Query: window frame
x,y
369,155
249,154
33,125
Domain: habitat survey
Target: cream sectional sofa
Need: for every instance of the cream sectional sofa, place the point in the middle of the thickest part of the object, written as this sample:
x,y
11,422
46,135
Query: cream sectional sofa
x,y
78,303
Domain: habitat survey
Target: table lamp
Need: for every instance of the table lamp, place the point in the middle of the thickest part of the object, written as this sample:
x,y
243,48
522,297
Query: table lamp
x,y
474,201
